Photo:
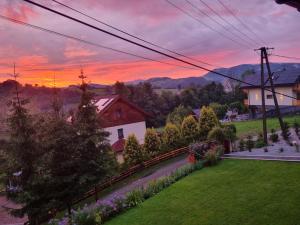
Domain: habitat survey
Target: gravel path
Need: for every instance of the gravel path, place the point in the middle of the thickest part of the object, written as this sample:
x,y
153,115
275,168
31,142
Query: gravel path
x,y
161,172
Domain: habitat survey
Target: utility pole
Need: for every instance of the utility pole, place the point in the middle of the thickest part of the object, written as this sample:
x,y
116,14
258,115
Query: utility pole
x,y
264,50
262,82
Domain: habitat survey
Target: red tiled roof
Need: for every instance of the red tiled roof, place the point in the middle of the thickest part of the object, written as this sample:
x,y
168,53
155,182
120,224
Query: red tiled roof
x,y
119,145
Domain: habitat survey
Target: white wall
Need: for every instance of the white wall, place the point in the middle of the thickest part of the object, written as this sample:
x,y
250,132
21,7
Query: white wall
x,y
138,129
254,96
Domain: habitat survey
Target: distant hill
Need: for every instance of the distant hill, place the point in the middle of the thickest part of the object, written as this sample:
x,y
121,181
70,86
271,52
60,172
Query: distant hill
x,y
238,71
235,71
171,83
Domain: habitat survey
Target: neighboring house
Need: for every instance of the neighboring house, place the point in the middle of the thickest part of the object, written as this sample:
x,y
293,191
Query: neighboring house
x,y
285,82
121,118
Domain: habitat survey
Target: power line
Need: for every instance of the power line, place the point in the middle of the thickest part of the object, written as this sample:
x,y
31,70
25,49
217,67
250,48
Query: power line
x,y
206,25
226,21
249,44
239,20
131,35
87,42
286,57
145,47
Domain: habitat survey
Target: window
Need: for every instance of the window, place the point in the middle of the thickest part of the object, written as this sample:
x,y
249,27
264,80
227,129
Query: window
x,y
269,96
120,133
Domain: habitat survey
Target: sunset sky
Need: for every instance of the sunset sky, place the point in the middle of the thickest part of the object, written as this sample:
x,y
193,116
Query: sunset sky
x,y
39,55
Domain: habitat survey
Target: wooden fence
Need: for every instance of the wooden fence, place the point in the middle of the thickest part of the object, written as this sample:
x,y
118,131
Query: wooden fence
x,y
129,172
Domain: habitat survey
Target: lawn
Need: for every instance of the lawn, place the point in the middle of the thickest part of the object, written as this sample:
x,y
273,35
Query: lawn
x,y
253,127
234,192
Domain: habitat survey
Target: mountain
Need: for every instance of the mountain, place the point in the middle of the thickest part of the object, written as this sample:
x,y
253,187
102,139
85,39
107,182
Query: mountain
x,y
238,71
171,83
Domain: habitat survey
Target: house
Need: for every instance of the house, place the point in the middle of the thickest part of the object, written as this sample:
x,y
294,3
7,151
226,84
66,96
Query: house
x,y
292,3
285,82
121,118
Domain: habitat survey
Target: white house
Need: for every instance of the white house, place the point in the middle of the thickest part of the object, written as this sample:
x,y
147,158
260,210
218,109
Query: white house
x,y
121,118
285,82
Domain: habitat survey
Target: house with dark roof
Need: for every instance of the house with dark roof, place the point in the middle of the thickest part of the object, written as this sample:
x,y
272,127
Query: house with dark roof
x,y
121,118
285,82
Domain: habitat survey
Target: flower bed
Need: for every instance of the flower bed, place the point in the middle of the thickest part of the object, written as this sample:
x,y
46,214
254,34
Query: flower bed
x,y
101,211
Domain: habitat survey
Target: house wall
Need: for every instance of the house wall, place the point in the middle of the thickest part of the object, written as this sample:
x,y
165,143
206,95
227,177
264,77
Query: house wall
x,y
254,96
138,129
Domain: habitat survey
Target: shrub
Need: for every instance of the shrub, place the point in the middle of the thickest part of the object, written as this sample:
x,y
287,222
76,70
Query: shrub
x,y
296,127
134,198
179,113
119,204
274,137
152,142
199,149
220,110
207,121
249,143
230,131
171,137
219,150
285,131
242,145
211,157
189,129
87,217
133,153
260,141
217,134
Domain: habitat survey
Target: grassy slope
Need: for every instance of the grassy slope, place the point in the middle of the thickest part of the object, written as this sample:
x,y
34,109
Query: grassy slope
x,y
235,192
255,126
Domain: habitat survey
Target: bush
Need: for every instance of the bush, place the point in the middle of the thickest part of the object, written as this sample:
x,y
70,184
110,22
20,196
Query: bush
x,y
296,127
189,129
134,198
207,121
230,131
242,145
152,143
249,143
260,141
133,152
199,149
220,151
171,137
286,131
87,217
274,137
211,157
220,110
217,134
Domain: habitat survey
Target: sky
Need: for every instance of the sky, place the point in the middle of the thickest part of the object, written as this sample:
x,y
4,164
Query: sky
x,y
215,37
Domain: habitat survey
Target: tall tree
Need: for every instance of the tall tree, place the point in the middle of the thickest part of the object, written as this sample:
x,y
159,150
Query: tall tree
x,y
207,121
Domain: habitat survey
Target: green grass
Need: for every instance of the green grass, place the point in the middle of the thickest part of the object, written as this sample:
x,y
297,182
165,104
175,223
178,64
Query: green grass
x,y
254,127
232,193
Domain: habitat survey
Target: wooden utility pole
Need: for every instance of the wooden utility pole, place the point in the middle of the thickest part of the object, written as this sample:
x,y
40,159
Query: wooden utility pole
x,y
264,50
262,82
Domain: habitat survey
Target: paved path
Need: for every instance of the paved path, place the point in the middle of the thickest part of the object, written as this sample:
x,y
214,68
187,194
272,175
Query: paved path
x,y
161,172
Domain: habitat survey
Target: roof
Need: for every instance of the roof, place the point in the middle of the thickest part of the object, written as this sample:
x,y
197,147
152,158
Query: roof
x,y
283,78
103,103
292,3
119,145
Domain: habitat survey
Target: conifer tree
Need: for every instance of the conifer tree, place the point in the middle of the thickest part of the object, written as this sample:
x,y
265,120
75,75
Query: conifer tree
x,y
133,152
171,137
152,143
207,121
189,129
